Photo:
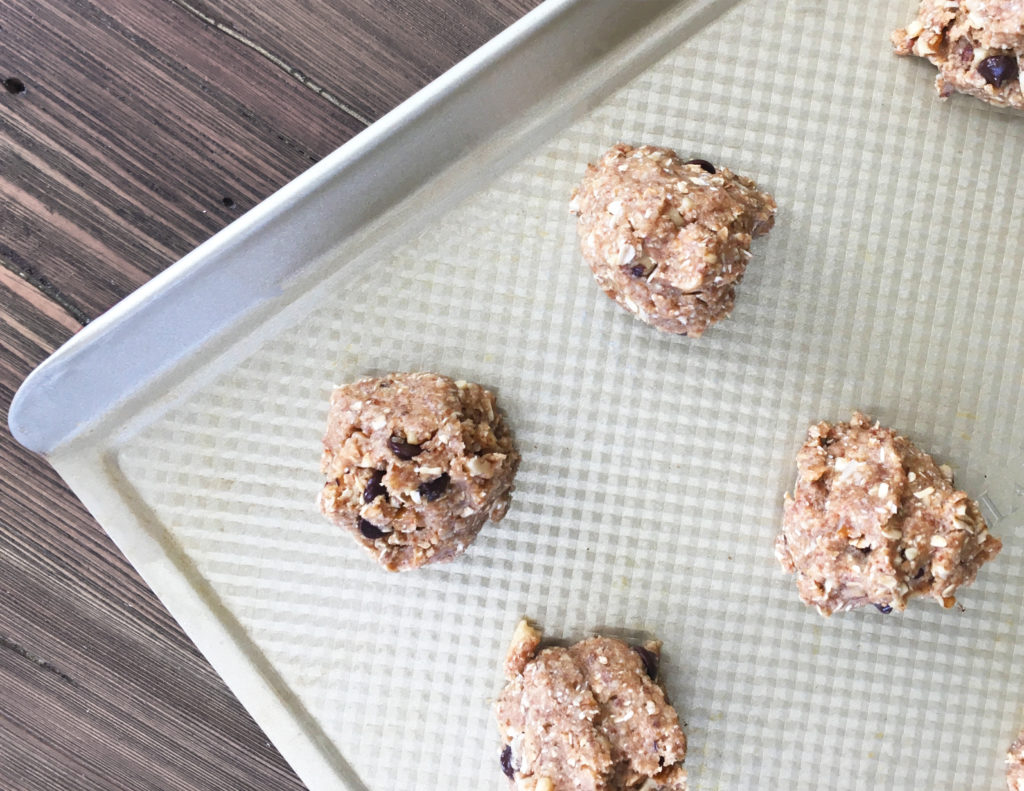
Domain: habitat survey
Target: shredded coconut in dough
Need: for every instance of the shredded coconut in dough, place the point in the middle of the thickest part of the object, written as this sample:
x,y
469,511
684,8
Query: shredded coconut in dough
x,y
977,45
668,240
1015,765
416,464
873,520
591,717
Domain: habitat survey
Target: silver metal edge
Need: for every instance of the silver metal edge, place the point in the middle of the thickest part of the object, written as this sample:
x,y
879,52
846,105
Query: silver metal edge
x,y
218,635
212,287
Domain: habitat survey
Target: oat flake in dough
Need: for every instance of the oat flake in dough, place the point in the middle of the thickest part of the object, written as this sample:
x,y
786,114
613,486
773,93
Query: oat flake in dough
x,y
977,46
873,520
668,240
590,717
1015,765
416,464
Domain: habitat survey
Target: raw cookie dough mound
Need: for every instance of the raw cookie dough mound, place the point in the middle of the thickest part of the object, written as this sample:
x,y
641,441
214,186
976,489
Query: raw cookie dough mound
x,y
1015,765
977,45
873,520
590,717
666,239
416,464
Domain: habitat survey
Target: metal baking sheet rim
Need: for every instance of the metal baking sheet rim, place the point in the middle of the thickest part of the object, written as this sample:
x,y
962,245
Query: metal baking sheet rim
x,y
253,261
155,330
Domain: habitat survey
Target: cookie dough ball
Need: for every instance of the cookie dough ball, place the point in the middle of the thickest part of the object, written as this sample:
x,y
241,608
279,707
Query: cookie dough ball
x,y
1015,765
666,239
416,464
977,45
873,520
591,716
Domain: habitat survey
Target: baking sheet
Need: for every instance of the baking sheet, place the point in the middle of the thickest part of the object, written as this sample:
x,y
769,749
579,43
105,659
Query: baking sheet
x,y
653,467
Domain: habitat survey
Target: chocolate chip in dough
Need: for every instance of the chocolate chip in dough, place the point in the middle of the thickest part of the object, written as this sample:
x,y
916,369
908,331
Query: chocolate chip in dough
x,y
653,231
506,762
375,487
404,450
650,660
703,163
432,490
370,530
549,706
845,555
998,69
407,514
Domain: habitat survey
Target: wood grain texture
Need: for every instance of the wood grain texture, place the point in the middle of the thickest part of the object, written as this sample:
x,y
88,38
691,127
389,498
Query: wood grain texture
x,y
138,118
395,47
101,689
136,122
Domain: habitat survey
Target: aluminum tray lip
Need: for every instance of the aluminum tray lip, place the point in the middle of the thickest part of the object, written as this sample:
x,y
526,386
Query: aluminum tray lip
x,y
59,405
60,397
92,462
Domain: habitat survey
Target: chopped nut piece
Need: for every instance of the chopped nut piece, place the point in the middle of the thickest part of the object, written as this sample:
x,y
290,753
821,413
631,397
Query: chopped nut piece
x,y
482,466
524,644
686,254
395,456
1015,765
977,46
856,531
587,717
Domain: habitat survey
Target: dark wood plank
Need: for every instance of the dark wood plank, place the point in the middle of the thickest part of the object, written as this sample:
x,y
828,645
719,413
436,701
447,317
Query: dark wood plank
x,y
130,714
136,122
138,118
101,689
367,54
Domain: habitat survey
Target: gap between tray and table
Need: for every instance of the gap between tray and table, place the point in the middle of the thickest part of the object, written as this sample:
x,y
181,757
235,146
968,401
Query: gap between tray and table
x,y
155,345
530,79
281,288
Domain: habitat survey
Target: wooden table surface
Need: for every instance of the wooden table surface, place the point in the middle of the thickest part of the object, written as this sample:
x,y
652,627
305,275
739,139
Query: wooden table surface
x,y
131,131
